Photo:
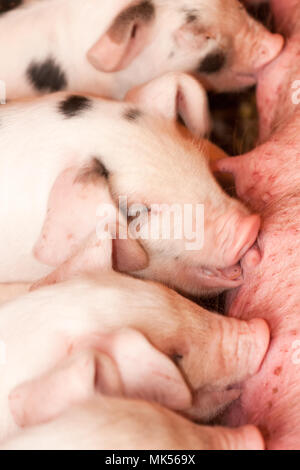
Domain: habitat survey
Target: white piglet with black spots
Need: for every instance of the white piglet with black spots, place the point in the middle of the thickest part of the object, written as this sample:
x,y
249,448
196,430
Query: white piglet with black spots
x,y
63,155
107,47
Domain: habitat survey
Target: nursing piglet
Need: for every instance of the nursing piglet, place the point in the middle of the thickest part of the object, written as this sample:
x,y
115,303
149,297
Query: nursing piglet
x,y
107,47
110,423
64,156
118,336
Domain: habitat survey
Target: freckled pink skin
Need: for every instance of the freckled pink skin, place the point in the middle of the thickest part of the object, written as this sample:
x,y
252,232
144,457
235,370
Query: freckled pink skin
x,y
272,288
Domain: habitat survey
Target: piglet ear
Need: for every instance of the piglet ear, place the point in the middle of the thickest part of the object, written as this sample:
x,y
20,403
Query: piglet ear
x,y
124,40
71,213
175,95
72,382
98,254
76,237
92,257
146,372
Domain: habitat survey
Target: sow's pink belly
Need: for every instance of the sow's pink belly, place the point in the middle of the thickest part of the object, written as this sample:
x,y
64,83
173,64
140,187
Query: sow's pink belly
x,y
271,291
271,399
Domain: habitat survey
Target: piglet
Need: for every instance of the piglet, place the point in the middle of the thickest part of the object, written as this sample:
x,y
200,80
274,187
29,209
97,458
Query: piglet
x,y
53,185
119,336
109,47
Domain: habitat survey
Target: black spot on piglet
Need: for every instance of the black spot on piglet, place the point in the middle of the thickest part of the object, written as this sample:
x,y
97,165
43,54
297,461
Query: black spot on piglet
x,y
46,76
212,63
6,5
74,105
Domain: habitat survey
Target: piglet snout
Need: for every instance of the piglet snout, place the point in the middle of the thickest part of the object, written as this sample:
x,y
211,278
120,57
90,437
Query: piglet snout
x,y
269,48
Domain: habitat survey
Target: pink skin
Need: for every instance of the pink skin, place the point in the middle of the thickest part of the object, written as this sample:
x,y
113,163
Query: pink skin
x,y
73,329
110,56
114,372
111,423
171,169
271,289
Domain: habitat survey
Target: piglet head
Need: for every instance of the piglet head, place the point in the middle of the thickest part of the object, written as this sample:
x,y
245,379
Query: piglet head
x,y
233,47
215,39
194,233
181,228
210,233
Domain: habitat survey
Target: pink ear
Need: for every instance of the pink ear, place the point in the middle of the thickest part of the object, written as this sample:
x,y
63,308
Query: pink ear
x,y
147,373
71,216
93,256
108,56
124,40
175,94
72,382
74,238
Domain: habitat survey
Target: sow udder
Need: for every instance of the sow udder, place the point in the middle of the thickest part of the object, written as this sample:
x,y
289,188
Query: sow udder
x,y
268,179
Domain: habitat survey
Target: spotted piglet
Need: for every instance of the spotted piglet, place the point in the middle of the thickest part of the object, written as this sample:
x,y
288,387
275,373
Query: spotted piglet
x,y
107,47
63,155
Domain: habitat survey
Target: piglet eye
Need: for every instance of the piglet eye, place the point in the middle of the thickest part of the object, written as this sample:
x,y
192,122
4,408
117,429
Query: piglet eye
x,y
143,211
134,31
